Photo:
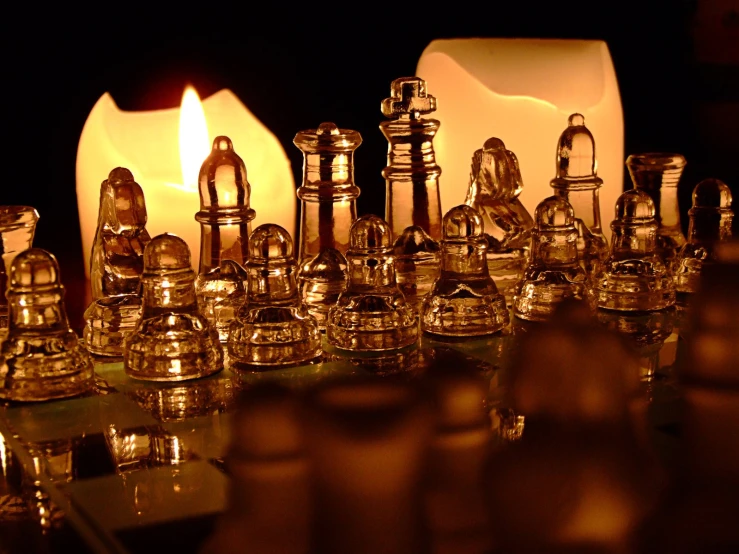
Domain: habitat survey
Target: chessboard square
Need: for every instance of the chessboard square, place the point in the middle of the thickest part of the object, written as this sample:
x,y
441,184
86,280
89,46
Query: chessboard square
x,y
151,496
207,437
66,419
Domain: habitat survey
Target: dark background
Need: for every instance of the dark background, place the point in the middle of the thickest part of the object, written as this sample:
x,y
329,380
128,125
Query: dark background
x,y
296,67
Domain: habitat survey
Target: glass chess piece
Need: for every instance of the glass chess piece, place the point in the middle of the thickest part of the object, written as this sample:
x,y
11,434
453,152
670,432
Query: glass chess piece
x,y
371,314
634,277
116,264
464,301
225,223
711,217
17,227
417,264
495,184
328,198
578,183
172,340
412,174
41,357
273,327
658,174
553,273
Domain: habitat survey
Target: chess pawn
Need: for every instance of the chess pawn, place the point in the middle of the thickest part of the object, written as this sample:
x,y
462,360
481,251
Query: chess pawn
x,y
634,277
225,223
553,273
41,357
658,174
116,264
464,301
495,183
172,341
17,227
710,223
412,174
577,182
328,198
273,328
417,264
372,314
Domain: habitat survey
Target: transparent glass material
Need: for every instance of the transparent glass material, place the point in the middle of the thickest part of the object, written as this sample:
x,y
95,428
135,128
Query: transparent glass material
x,y
634,277
172,341
578,183
412,174
711,217
372,314
367,441
41,357
17,227
273,327
495,183
658,174
417,264
464,301
328,198
116,264
225,223
553,273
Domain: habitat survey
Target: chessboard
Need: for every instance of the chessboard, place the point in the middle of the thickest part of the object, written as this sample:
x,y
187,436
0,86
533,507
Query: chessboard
x,y
138,466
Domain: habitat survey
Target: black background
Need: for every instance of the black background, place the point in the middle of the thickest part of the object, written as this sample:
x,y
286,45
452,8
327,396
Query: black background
x,y
296,67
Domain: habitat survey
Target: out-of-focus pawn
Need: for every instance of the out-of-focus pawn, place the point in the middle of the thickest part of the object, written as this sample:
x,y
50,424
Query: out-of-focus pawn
x,y
577,182
553,273
273,327
634,277
41,357
456,507
172,341
464,301
658,174
17,227
372,314
417,264
269,506
495,183
368,441
710,222
116,264
581,479
225,223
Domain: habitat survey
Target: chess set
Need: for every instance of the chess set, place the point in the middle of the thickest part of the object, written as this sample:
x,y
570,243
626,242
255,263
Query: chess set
x,y
481,380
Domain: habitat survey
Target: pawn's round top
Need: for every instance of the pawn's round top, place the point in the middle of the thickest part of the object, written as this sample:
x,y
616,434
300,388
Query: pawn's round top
x,y
463,222
222,179
370,232
712,193
635,206
270,242
33,269
554,211
120,175
166,252
328,264
493,143
412,240
576,150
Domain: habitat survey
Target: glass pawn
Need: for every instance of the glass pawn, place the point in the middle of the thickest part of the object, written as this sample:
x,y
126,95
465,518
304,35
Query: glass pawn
x,y
372,314
710,222
464,301
17,227
417,264
553,273
577,182
225,223
41,357
328,198
273,328
658,174
172,341
116,264
634,277
495,184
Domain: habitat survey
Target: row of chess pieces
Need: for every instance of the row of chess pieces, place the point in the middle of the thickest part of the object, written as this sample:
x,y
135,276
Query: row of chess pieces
x,y
372,284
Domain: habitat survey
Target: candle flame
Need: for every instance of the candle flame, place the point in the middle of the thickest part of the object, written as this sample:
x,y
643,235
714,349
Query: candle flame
x,y
194,141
